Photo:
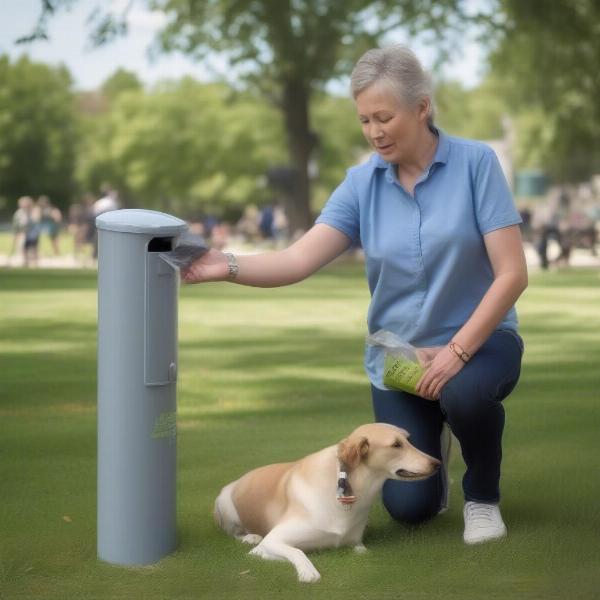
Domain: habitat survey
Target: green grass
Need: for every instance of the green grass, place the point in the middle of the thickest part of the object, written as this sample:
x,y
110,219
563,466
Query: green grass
x,y
272,375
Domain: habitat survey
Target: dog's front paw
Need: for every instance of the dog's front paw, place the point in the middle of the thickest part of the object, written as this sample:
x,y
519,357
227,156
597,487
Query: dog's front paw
x,y
360,548
251,538
261,552
308,574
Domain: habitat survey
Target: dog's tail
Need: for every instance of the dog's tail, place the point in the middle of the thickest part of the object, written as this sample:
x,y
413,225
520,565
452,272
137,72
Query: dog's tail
x,y
218,517
225,513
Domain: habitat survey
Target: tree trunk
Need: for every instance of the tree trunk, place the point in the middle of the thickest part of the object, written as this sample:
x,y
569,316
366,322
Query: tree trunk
x,y
301,142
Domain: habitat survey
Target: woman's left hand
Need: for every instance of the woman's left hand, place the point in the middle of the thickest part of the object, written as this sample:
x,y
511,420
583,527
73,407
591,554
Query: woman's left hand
x,y
442,367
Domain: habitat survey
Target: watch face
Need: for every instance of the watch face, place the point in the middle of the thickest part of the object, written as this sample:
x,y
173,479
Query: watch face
x,y
233,266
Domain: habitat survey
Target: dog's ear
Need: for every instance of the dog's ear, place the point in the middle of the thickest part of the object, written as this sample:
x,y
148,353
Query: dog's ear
x,y
352,450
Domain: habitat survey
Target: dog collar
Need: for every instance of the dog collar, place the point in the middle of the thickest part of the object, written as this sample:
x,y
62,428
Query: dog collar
x,y
344,492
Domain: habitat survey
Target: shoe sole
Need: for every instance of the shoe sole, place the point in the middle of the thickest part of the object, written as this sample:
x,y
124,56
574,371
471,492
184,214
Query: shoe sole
x,y
487,539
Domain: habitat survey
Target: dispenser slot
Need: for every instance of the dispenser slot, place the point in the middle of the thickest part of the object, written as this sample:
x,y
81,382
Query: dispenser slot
x,y
160,314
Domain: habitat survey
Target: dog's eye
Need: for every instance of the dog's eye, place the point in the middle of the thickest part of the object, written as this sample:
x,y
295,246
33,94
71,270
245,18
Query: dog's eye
x,y
397,444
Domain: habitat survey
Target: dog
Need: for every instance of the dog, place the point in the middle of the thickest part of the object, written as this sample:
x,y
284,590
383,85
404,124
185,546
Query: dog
x,y
322,500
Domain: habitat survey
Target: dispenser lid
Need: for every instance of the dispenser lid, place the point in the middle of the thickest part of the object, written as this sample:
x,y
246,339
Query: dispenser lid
x,y
137,220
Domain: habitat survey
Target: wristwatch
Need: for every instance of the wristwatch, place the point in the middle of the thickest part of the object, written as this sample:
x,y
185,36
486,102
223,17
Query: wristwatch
x,y
232,265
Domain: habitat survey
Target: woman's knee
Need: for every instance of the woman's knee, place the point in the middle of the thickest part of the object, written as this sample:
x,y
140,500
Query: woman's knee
x,y
411,506
488,378
467,400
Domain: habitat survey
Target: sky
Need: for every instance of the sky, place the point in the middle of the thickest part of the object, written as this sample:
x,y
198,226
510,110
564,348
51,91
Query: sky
x,y
68,44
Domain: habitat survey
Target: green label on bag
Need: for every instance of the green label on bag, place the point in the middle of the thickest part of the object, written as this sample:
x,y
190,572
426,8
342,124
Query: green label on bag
x,y
401,374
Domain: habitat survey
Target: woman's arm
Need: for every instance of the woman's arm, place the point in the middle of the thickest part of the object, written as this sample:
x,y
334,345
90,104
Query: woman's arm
x,y
505,249
318,246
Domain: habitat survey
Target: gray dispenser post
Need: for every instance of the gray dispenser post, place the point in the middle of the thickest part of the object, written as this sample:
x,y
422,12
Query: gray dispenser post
x,y
137,371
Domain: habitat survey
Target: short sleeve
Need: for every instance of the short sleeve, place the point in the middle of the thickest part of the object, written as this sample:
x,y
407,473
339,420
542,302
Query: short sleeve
x,y
494,204
341,209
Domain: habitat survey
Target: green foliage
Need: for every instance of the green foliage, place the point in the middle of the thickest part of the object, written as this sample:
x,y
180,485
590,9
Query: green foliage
x,y
285,49
184,146
275,41
191,147
476,113
120,81
341,142
288,49
548,56
38,133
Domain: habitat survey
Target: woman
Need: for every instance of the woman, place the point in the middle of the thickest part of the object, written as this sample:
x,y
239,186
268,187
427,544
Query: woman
x,y
445,265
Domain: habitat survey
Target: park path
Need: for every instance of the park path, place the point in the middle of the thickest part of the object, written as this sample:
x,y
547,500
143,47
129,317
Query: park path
x,y
579,258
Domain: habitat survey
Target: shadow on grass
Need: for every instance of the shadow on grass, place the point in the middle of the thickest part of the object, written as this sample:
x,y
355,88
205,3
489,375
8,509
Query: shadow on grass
x,y
12,280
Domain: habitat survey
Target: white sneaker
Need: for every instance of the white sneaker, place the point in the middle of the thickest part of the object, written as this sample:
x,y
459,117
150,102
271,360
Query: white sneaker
x,y
482,522
446,444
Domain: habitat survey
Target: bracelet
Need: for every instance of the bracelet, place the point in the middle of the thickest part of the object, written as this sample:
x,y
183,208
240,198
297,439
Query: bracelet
x,y
464,356
232,265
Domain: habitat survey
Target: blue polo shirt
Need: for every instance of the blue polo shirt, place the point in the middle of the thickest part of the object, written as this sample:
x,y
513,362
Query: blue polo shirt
x,y
425,257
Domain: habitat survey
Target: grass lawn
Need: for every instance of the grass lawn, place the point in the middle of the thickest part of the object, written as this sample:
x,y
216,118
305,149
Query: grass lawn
x,y
269,376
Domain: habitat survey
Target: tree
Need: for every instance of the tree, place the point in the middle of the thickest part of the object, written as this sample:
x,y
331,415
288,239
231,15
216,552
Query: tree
x,y
548,53
341,142
120,81
184,146
287,49
38,132
475,113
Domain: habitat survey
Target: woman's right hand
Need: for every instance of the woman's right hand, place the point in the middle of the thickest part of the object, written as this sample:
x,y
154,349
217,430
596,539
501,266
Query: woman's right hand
x,y
212,266
427,354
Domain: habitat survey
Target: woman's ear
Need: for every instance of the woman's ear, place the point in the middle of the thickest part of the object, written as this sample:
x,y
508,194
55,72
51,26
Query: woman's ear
x,y
423,108
352,450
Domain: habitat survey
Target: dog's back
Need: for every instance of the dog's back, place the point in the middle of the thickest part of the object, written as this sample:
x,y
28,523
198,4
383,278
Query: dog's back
x,y
260,497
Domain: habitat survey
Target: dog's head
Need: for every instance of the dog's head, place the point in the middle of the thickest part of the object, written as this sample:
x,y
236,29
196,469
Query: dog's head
x,y
386,448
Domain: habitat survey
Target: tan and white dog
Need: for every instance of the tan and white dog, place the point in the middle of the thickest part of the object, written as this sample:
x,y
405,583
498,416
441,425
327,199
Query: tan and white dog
x,y
288,508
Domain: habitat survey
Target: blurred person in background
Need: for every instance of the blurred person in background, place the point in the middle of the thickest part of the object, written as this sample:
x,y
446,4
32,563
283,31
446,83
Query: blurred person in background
x,y
26,230
50,221
280,227
20,220
75,217
81,224
247,226
107,202
545,221
266,222
208,223
219,235
567,234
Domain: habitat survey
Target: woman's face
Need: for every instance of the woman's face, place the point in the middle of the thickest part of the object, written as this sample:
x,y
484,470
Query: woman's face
x,y
390,126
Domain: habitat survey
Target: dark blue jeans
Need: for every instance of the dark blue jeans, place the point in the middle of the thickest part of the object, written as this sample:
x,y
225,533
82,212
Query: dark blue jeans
x,y
471,403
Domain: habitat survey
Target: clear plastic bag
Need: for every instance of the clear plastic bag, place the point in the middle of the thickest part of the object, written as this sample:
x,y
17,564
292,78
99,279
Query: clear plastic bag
x,y
401,366
188,248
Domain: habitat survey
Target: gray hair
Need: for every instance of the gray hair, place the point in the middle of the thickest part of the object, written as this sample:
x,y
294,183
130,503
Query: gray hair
x,y
398,66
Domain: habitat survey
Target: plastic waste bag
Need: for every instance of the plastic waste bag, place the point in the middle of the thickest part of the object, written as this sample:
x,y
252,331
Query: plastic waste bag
x,y
188,248
401,366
